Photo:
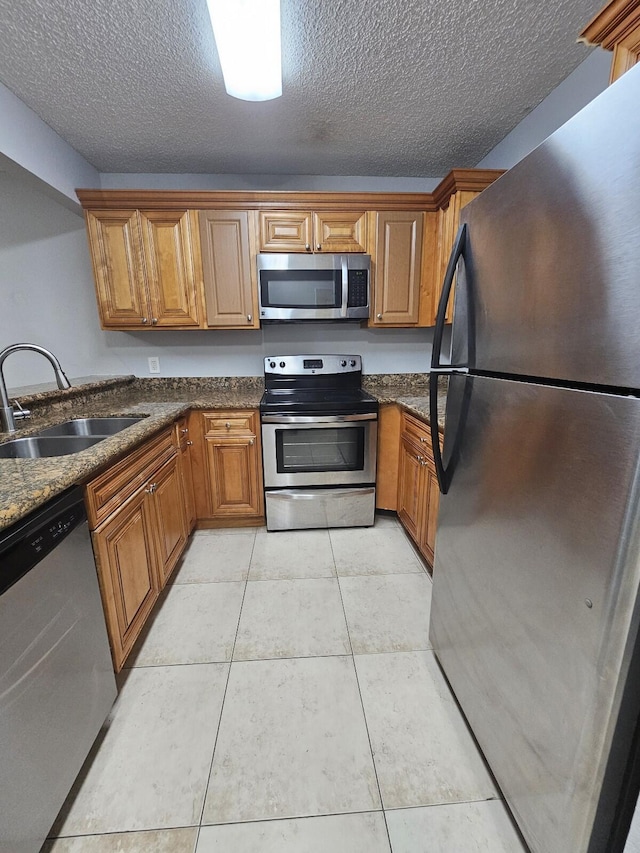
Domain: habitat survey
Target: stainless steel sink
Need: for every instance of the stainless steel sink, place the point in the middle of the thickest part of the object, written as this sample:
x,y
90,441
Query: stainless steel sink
x,y
90,426
36,447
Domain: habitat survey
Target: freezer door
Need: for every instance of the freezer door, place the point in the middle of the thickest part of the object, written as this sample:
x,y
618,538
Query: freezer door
x,y
534,599
550,283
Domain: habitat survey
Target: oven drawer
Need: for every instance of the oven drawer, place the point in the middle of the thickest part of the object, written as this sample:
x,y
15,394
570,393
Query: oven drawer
x,y
299,509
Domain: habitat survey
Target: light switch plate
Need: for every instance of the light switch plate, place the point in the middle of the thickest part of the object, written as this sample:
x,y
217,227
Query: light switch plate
x,y
154,364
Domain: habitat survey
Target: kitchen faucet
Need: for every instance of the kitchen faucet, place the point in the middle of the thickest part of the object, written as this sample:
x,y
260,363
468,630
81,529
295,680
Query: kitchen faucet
x,y
7,414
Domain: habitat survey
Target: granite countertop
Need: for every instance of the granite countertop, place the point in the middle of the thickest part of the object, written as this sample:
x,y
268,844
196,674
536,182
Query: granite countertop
x,y
414,397
26,484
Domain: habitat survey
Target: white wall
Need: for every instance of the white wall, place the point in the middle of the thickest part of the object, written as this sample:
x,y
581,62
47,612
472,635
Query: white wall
x,y
301,183
31,149
581,86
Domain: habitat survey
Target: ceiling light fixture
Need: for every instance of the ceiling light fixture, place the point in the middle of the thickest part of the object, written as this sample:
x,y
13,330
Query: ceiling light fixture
x,y
247,34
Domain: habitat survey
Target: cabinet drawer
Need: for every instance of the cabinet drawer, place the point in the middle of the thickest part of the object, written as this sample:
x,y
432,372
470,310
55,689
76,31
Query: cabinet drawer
x,y
230,423
107,492
418,431
181,433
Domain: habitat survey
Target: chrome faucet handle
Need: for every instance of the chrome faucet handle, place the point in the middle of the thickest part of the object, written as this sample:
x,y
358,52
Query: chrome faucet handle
x,y
21,413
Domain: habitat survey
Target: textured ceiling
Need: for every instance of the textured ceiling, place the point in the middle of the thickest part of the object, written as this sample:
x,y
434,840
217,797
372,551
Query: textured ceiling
x,y
371,87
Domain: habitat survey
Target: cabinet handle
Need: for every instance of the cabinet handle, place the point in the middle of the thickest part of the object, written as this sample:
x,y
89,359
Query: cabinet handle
x,y
185,432
189,443
249,318
228,425
422,439
154,321
308,247
319,247
152,488
251,441
379,316
144,321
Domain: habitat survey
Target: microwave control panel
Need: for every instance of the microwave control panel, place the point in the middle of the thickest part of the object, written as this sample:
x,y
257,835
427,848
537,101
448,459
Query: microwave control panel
x,y
358,288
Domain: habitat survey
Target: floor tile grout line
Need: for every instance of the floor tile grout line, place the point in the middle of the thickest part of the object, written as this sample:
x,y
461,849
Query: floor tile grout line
x,y
287,657
224,697
447,803
364,715
282,818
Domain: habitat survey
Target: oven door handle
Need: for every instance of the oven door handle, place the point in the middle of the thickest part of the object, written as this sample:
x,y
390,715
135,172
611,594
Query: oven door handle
x,y
317,419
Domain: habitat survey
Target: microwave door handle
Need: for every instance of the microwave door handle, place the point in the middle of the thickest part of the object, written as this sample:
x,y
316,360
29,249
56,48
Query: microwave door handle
x,y
344,263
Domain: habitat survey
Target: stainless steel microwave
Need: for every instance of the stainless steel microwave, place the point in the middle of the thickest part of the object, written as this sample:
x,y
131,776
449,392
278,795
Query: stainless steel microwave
x,y
293,288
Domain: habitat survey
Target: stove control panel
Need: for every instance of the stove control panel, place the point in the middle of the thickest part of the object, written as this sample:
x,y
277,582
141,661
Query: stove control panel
x,y
300,365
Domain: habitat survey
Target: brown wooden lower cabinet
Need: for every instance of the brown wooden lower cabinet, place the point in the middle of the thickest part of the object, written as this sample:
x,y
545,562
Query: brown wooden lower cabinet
x,y
418,492
228,467
185,464
139,542
168,504
389,425
126,556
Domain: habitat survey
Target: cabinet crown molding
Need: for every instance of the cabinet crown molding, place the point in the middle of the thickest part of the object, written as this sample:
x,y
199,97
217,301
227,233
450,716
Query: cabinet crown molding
x,y
612,24
473,180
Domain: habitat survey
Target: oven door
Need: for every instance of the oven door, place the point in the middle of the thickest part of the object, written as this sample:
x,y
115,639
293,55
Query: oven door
x,y
336,450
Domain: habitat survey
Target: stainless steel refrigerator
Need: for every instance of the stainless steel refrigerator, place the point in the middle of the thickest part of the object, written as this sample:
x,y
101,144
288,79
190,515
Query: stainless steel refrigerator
x,y
537,562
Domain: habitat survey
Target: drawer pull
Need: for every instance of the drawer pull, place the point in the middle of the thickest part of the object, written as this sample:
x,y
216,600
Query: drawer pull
x,y
152,488
251,441
228,425
186,431
189,443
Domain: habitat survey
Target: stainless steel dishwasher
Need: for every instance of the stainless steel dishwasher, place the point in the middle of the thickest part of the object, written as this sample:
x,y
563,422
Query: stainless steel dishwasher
x,y
56,677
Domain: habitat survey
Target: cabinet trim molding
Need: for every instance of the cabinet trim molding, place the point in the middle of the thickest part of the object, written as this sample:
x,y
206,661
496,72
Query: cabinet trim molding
x,y
473,180
612,24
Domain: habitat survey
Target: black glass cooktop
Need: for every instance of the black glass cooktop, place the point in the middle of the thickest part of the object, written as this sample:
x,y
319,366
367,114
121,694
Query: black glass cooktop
x,y
310,401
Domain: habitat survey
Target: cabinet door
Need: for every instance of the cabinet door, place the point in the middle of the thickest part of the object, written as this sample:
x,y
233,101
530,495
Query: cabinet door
x,y
285,231
118,267
168,502
234,472
229,272
448,225
427,541
410,488
340,231
125,549
398,264
169,260
186,472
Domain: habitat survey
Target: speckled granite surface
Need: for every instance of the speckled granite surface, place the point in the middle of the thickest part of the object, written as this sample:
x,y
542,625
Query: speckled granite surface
x,y
26,484
411,391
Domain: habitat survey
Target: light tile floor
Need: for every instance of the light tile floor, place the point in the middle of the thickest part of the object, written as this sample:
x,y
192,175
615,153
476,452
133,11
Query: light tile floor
x,y
284,699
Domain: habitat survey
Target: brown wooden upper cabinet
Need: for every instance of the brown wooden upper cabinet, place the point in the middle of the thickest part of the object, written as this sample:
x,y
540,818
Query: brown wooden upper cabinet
x,y
617,28
448,224
398,268
459,188
144,268
229,268
308,231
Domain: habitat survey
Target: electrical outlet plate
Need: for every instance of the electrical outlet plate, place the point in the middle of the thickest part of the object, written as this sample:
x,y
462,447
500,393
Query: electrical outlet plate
x,y
154,364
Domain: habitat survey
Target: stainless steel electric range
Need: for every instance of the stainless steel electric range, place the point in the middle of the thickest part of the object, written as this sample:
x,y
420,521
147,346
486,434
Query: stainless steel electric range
x,y
319,433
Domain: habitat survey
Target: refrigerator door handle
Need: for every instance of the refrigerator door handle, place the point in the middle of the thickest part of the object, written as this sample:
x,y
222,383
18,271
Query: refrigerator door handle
x,y
436,365
456,254
443,480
